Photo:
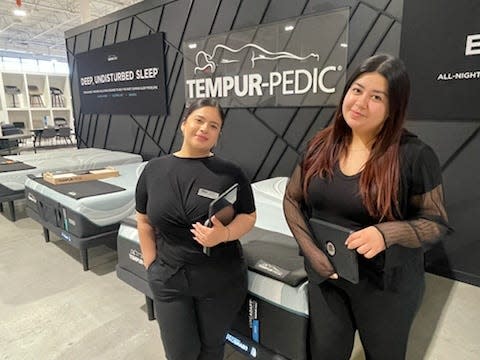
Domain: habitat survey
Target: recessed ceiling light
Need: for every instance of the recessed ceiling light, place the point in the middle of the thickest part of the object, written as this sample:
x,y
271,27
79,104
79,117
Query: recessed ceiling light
x,y
19,12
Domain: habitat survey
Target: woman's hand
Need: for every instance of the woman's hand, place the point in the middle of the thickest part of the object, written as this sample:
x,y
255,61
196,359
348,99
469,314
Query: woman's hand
x,y
148,261
210,236
320,263
367,242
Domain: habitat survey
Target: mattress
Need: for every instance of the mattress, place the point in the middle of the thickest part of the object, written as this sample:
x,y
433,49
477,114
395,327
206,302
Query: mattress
x,y
89,215
268,196
71,159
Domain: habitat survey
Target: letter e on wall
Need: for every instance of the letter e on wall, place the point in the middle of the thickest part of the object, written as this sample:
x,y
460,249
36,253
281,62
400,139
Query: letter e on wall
x,y
472,46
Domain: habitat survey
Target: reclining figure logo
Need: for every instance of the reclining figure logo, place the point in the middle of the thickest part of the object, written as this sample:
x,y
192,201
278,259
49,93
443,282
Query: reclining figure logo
x,y
205,61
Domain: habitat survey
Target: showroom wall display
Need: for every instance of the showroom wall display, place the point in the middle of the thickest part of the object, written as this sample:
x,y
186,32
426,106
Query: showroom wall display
x,y
266,141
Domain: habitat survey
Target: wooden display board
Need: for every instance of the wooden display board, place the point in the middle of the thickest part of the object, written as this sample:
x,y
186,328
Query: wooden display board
x,y
79,176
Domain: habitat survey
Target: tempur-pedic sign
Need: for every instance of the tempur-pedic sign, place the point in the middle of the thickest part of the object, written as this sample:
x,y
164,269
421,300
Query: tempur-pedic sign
x,y
299,62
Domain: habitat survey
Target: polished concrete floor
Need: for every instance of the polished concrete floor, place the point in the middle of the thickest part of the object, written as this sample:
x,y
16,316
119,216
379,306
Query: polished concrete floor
x,y
51,309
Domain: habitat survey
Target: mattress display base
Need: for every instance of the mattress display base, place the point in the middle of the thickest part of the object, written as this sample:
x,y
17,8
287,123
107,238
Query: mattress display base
x,y
82,243
277,330
139,284
250,348
9,199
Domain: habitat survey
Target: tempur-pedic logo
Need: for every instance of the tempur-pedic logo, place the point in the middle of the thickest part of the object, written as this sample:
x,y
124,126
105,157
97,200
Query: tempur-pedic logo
x,y
289,82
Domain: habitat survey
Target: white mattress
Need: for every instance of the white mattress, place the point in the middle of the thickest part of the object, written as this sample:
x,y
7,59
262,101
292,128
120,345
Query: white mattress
x,y
68,159
268,196
293,299
105,209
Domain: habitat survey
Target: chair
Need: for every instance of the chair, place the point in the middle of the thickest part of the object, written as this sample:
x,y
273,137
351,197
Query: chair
x,y
60,122
57,97
48,133
20,125
14,91
35,96
65,133
10,129
8,147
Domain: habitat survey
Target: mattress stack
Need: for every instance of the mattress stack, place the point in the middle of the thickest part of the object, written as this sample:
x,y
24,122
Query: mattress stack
x,y
89,215
274,319
84,214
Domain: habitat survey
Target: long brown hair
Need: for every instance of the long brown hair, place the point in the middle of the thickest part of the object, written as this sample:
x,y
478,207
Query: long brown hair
x,y
380,178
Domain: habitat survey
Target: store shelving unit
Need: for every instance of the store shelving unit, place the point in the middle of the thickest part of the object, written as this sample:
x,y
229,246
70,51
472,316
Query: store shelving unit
x,y
44,109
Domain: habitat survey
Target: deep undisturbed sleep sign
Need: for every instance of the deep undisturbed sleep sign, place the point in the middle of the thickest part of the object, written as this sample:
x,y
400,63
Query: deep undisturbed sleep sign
x,y
124,78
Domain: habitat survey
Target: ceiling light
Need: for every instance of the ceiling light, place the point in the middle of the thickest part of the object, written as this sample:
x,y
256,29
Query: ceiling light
x,y
19,12
289,27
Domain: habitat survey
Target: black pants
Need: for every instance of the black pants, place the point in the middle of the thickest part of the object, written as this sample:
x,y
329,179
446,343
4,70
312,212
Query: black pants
x,y
382,315
195,306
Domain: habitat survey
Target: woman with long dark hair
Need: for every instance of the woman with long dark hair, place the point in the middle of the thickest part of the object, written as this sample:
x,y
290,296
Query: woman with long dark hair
x,y
365,172
197,293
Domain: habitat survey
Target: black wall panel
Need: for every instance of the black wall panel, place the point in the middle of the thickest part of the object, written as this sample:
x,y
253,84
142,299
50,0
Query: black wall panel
x,y
314,6
266,142
139,29
299,126
123,30
82,42
283,9
362,20
391,44
447,139
97,38
227,11
251,13
110,33
151,18
395,9
102,124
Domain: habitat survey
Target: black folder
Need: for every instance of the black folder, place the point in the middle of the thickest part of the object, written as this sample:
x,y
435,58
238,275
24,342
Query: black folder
x,y
222,208
332,238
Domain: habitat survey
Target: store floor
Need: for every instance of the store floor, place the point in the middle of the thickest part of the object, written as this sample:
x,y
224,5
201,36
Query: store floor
x,y
51,309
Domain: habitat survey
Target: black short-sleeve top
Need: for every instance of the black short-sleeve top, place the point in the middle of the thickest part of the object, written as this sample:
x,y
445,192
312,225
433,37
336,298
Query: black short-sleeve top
x,y
175,192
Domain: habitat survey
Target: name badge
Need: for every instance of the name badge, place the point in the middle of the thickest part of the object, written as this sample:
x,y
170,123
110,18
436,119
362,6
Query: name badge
x,y
207,193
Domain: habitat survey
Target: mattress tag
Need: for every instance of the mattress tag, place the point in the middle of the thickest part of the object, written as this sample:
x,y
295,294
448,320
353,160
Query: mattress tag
x,y
207,193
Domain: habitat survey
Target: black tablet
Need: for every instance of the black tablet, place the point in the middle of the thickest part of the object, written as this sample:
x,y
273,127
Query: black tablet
x,y
332,238
222,208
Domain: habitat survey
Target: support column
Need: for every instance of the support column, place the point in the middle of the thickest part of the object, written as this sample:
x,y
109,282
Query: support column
x,y
84,11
